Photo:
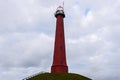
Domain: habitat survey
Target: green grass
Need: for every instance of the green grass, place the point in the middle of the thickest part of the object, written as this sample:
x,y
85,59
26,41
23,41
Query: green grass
x,y
58,76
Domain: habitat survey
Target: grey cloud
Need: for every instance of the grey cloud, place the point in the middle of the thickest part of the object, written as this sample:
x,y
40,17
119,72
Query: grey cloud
x,y
25,51
27,30
25,16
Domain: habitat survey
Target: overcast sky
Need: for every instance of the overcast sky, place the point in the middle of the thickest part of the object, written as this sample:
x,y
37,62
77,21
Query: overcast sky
x,y
92,30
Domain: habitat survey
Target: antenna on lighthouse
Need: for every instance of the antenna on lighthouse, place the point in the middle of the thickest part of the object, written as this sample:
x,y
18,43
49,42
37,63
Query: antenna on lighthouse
x,y
63,4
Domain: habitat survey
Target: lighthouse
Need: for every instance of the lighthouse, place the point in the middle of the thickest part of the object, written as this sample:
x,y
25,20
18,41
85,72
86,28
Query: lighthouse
x,y
59,64
59,58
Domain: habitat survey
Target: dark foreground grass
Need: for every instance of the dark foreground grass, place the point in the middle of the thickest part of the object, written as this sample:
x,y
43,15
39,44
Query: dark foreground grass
x,y
58,76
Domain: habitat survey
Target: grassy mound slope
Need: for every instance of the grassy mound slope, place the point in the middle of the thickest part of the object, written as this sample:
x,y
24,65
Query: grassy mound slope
x,y
58,76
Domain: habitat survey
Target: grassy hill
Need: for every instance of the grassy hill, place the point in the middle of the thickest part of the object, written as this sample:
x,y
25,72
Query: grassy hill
x,y
58,76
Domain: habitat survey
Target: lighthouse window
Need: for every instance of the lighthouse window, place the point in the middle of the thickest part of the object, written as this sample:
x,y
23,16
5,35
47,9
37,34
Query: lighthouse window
x,y
61,35
61,47
61,62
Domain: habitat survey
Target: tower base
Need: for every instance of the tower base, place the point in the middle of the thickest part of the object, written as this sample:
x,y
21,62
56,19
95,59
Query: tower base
x,y
59,69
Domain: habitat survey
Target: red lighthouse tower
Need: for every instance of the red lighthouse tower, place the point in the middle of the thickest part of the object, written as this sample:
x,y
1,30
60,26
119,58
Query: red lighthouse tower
x,y
59,59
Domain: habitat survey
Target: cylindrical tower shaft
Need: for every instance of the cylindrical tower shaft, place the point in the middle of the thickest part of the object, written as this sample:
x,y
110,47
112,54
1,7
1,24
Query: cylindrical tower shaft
x,y
59,59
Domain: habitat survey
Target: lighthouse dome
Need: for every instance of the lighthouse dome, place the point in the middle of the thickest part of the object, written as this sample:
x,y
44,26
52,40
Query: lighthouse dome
x,y
59,11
